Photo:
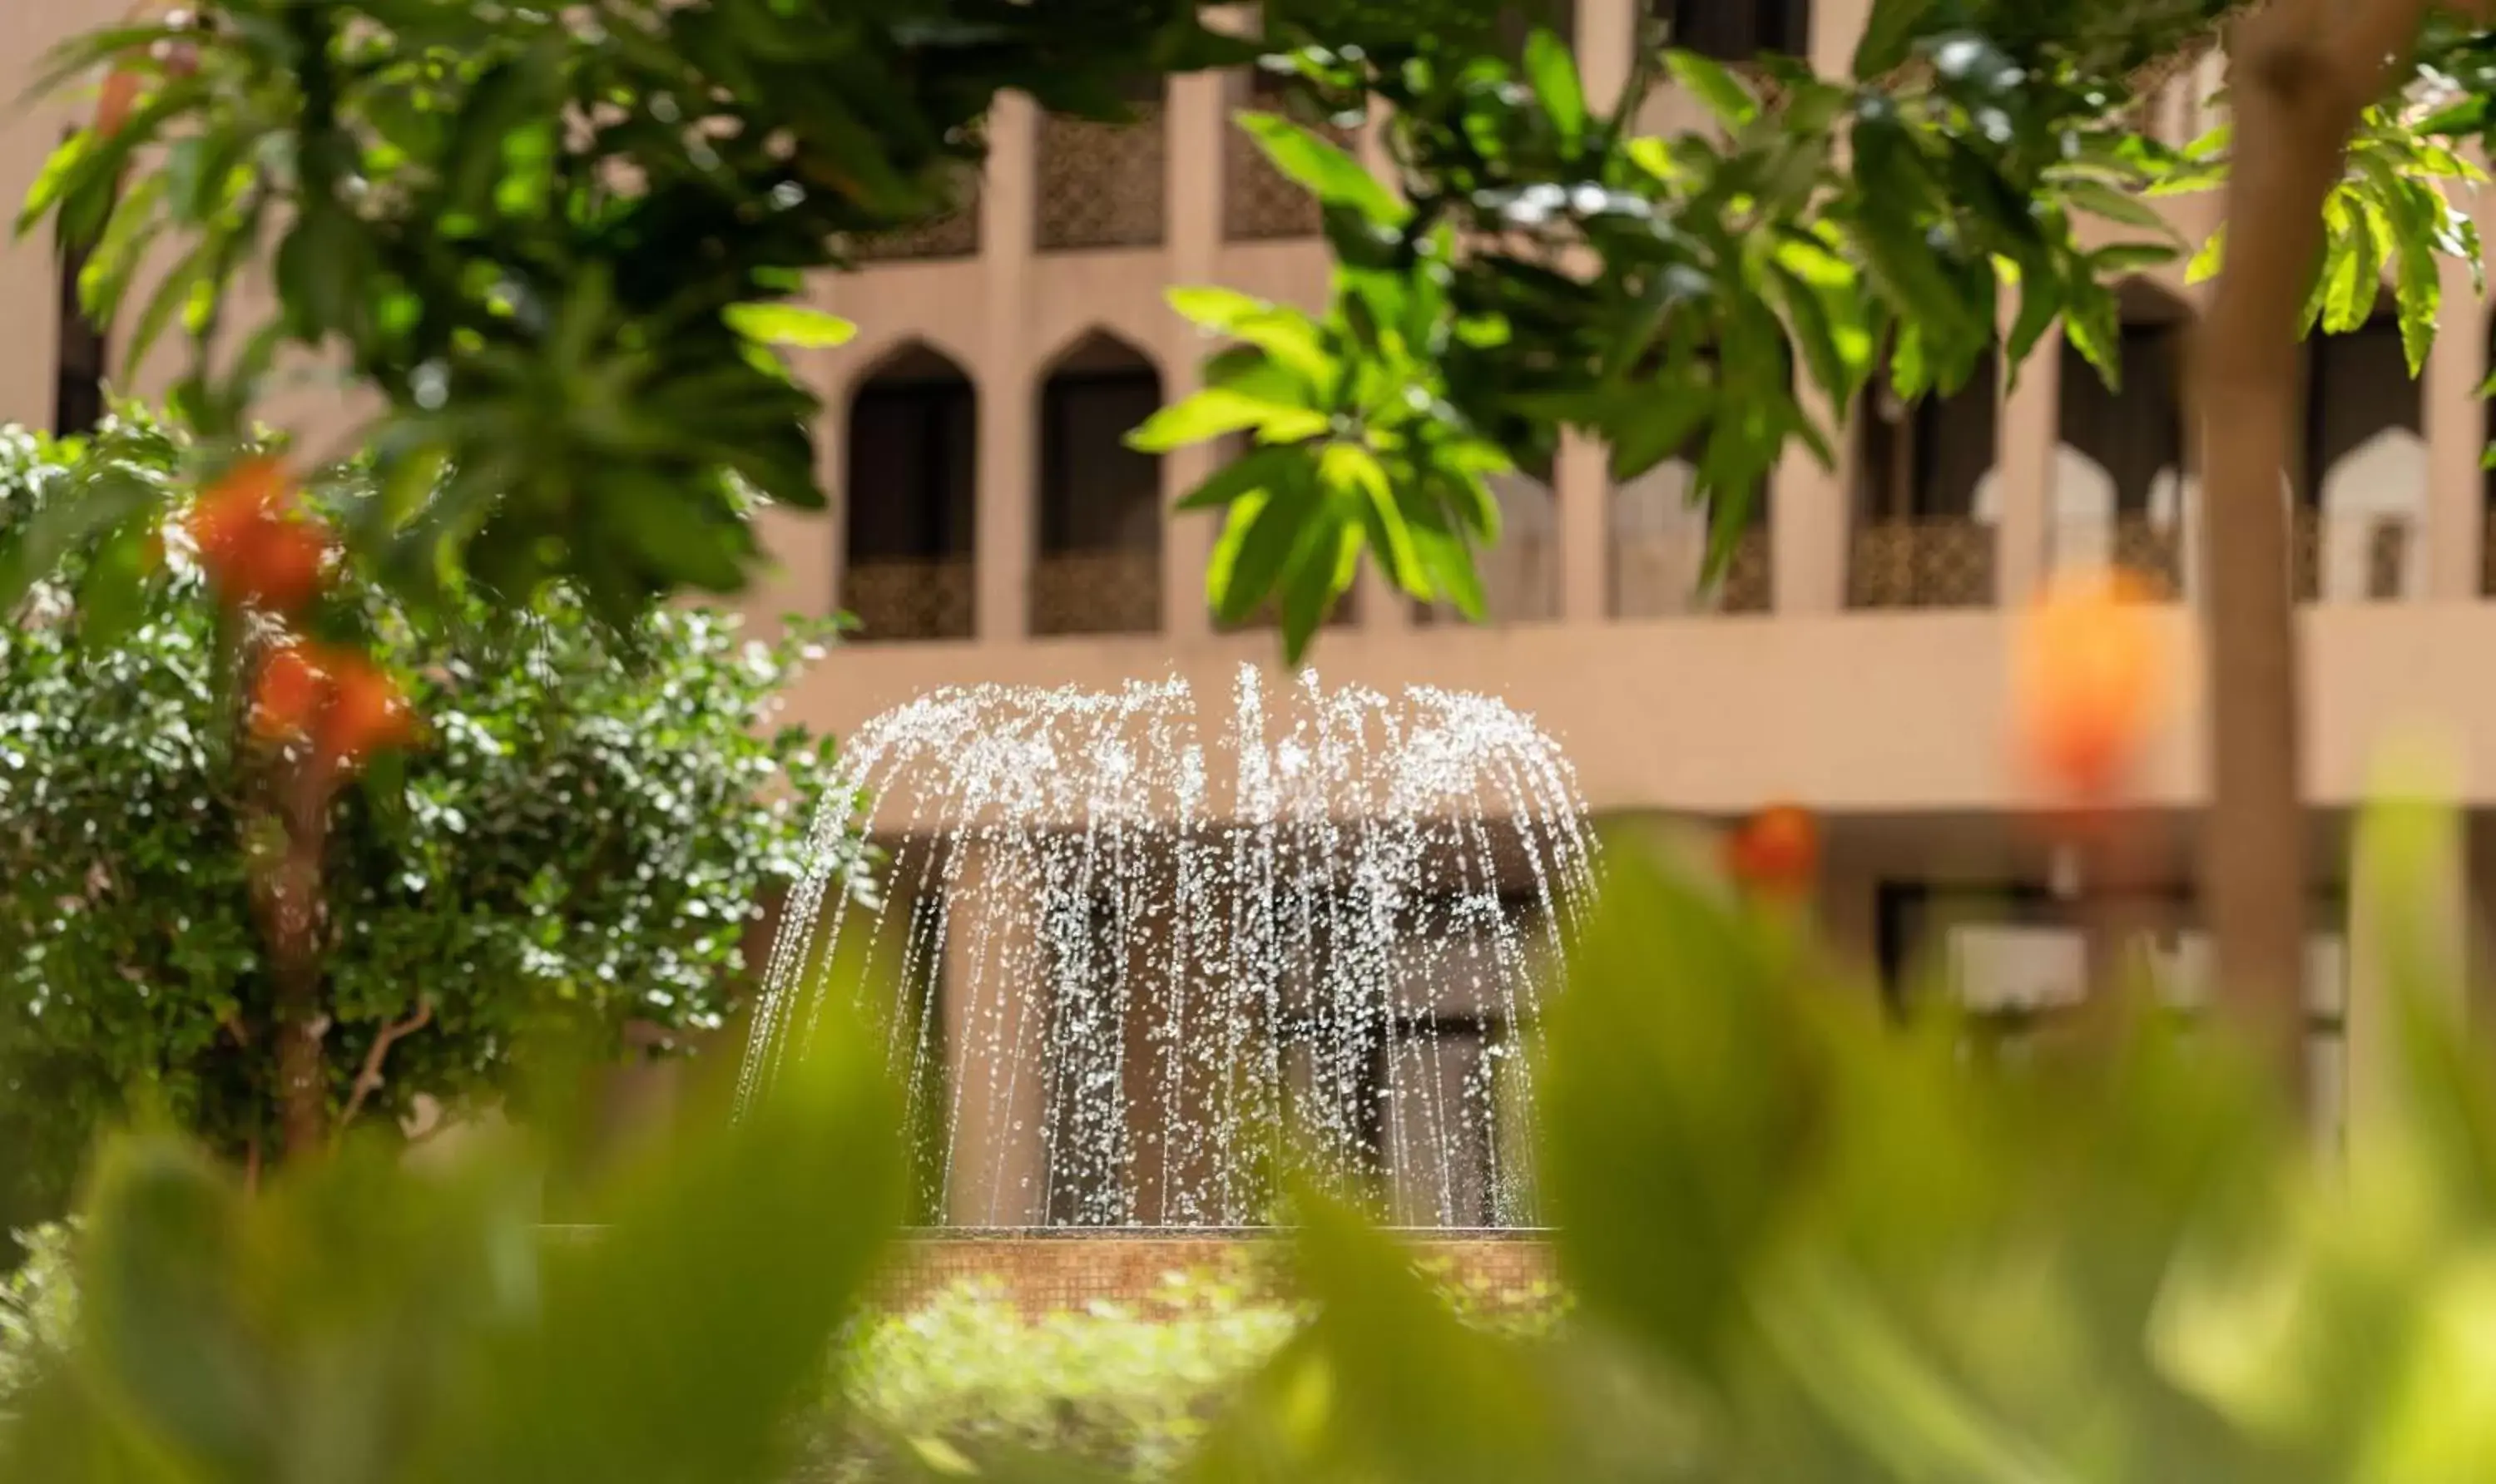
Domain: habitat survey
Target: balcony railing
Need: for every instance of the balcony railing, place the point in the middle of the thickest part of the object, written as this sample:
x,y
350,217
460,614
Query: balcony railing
x,y
1101,185
928,598
1260,203
954,235
1945,563
1520,578
1097,592
2151,551
1656,574
2353,557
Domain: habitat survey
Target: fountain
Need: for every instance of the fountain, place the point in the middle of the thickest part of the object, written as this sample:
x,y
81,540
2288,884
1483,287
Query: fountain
x,y
1123,950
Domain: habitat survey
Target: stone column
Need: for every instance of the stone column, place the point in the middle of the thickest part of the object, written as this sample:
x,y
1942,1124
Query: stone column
x,y
2455,426
996,1025
1812,509
1004,539
1836,25
1811,514
2030,430
1606,29
1582,487
1196,123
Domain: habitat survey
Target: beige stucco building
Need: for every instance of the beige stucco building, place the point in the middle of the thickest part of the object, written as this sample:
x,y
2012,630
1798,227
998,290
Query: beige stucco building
x,y
992,527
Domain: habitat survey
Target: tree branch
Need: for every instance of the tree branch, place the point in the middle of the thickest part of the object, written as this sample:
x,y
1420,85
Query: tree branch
x,y
368,1080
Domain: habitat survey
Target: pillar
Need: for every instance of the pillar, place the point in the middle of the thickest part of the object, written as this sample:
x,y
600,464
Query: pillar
x,y
1008,456
1811,513
2455,427
1582,488
1198,106
2030,431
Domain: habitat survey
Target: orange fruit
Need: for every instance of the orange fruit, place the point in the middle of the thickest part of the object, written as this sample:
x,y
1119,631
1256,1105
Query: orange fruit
x,y
2088,682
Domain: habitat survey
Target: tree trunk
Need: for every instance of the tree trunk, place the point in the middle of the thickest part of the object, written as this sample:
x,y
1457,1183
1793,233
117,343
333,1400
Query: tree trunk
x,y
2301,72
292,892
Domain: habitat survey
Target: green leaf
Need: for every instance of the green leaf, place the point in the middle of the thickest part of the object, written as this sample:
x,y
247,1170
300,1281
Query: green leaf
x,y
2102,200
113,594
1251,473
674,1345
1355,470
1553,71
2093,323
1258,536
1450,561
794,325
2352,271
1888,36
1891,237
1714,86
2206,262
1660,427
89,507
1329,171
2122,260
180,282
1283,332
2041,300
1809,319
1321,566
1216,411
1217,308
160,1315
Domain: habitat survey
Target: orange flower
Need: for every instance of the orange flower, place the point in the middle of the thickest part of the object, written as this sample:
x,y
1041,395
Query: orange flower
x,y
256,548
1776,853
366,713
230,514
289,694
282,571
345,705
2088,682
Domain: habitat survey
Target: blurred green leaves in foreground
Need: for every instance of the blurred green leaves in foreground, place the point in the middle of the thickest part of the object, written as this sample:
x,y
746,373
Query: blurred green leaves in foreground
x,y
1804,1243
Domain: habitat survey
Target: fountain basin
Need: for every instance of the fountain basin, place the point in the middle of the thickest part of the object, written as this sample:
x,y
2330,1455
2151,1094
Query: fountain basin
x,y
1058,1269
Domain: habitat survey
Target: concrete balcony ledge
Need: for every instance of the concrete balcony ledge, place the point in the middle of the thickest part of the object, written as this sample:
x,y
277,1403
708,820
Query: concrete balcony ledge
x,y
1854,711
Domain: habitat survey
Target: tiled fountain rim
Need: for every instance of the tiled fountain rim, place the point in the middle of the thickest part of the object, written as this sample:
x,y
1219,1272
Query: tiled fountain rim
x,y
1232,1235
1051,1270
1229,1235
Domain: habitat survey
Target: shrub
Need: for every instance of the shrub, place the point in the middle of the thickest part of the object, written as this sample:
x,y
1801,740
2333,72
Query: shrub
x,y
578,844
38,1305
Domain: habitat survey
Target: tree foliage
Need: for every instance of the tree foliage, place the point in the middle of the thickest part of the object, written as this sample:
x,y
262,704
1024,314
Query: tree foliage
x,y
545,307
560,251
579,843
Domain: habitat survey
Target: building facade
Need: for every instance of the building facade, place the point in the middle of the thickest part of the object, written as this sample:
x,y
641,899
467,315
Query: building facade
x,y
990,527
